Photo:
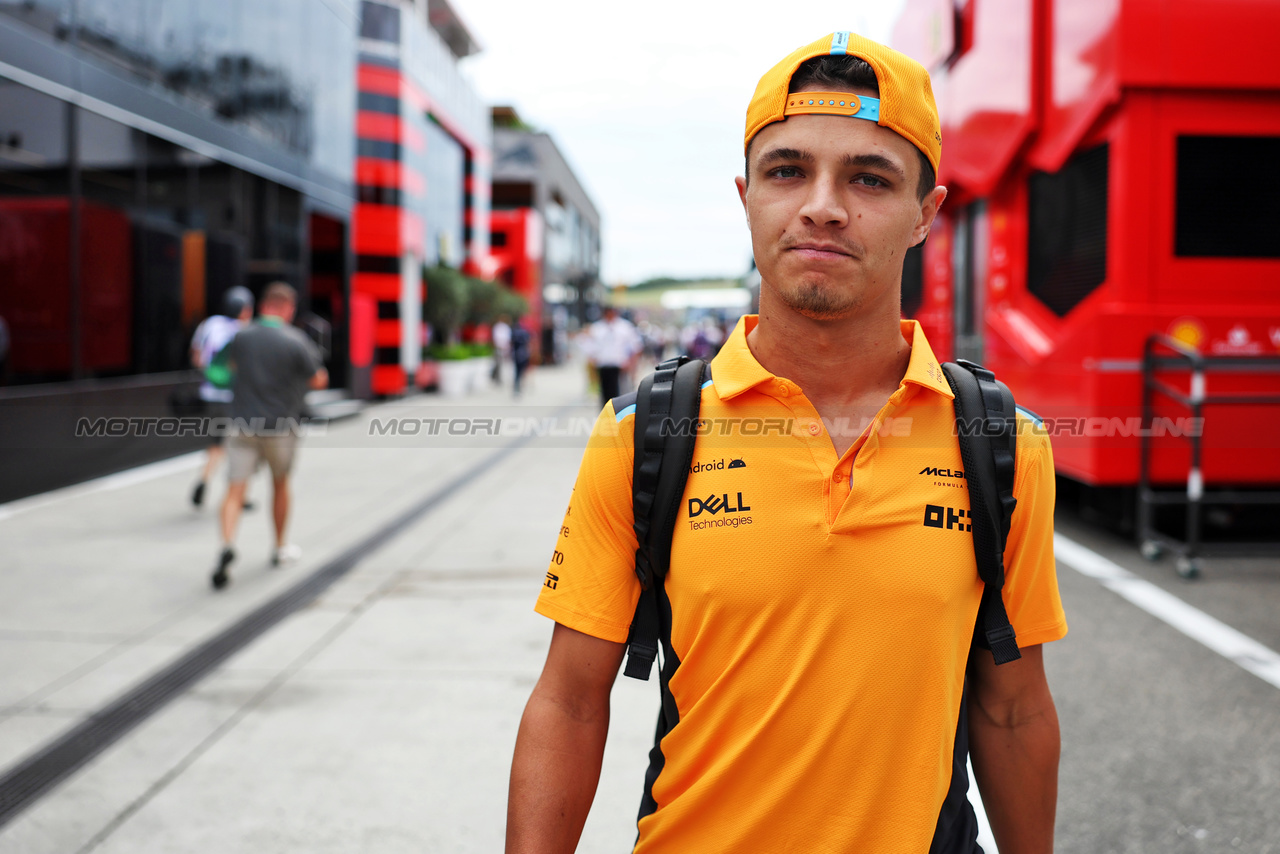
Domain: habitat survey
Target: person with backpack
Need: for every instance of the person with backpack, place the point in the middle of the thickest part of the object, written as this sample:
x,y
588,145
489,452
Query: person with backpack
x,y
207,345
848,572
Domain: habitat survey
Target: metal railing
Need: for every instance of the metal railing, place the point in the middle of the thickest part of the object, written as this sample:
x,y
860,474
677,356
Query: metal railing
x,y
1164,353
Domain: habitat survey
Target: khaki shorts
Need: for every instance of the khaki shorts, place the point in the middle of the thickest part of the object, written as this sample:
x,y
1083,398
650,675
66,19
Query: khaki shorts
x,y
246,453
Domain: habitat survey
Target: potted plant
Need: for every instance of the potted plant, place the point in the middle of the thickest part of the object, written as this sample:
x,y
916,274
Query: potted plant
x,y
455,370
444,310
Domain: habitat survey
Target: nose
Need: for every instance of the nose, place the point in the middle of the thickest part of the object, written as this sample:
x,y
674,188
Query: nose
x,y
824,206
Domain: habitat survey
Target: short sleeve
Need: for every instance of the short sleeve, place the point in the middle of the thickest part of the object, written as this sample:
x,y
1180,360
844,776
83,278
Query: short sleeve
x,y
309,358
591,585
231,349
1031,578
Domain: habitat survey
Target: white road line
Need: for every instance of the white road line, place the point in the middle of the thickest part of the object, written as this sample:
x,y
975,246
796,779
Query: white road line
x,y
1259,660
119,480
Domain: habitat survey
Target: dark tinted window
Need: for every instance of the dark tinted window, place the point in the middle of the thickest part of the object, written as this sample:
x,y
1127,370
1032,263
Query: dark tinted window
x,y
1226,192
377,148
380,22
378,103
378,264
1067,252
512,194
35,226
371,194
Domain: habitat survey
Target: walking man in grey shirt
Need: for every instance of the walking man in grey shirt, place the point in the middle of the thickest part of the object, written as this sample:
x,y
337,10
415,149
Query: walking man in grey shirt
x,y
273,365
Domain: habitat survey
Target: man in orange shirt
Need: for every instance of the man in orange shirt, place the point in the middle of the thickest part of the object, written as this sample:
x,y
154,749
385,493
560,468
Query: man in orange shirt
x,y
822,591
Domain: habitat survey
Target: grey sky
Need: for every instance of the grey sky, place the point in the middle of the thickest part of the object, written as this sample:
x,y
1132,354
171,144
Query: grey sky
x,y
647,101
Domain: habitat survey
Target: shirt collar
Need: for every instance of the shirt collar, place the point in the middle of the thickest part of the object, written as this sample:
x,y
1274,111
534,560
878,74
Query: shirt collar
x,y
736,370
923,369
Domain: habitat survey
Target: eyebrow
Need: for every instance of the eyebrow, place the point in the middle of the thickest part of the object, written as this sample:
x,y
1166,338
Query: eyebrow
x,y
874,161
785,154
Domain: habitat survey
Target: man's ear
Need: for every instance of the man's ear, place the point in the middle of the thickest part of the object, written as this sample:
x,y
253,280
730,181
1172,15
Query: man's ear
x,y
742,196
928,212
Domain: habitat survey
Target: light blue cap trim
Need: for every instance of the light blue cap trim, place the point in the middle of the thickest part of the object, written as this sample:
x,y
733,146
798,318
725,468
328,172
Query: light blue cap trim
x,y
840,43
869,109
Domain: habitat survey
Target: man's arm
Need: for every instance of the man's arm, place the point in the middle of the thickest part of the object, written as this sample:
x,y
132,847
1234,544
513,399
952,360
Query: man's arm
x,y
1014,744
560,744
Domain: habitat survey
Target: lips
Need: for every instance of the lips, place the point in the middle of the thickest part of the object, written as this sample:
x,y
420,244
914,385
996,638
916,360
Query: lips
x,y
820,251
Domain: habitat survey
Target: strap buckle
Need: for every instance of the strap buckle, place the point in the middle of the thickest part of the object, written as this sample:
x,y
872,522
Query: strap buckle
x,y
640,658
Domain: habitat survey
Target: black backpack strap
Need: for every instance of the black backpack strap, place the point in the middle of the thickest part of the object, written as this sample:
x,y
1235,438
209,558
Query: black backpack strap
x,y
667,406
986,420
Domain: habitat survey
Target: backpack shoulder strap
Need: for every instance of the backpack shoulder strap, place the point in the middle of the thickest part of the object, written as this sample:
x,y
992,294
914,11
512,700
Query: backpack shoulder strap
x,y
986,421
667,406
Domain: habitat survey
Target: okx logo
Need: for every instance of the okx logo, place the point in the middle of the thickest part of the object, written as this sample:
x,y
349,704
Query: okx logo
x,y
936,516
714,504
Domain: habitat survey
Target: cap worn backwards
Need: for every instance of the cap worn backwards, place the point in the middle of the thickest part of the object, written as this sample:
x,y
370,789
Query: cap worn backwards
x,y
905,105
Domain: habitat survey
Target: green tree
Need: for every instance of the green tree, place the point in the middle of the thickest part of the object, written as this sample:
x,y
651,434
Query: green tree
x,y
448,301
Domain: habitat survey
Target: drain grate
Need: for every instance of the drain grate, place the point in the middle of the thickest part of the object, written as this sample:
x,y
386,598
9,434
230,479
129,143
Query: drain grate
x,y
26,782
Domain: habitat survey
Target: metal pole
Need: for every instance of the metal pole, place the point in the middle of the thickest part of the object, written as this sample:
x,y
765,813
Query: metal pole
x,y
1195,479
1144,458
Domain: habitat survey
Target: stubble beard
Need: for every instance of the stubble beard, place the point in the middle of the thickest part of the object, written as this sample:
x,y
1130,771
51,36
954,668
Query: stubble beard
x,y
819,301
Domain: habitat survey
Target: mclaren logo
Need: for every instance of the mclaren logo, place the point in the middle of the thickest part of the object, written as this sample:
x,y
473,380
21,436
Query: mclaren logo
x,y
937,472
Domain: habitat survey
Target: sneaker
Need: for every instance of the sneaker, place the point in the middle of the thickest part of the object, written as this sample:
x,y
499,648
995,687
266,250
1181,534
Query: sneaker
x,y
197,494
286,555
220,577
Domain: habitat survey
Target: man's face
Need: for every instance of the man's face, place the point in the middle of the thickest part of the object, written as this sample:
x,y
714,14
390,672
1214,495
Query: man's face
x,y
832,208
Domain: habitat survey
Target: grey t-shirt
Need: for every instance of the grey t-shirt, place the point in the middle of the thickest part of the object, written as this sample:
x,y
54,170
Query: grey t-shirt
x,y
272,367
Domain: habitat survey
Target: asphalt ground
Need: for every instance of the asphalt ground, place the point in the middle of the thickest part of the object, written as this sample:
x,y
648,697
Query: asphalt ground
x,y
381,716
1167,745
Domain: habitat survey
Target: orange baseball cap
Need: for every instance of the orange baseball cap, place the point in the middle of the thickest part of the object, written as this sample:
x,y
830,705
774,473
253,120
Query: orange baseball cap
x,y
905,105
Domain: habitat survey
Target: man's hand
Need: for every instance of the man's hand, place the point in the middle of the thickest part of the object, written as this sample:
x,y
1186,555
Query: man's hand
x,y
320,379
560,744
1014,744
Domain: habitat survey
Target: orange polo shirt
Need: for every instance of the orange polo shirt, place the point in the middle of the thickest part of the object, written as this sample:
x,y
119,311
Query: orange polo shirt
x,y
822,608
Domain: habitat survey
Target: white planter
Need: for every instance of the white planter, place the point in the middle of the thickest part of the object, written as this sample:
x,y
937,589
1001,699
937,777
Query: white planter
x,y
482,366
455,377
